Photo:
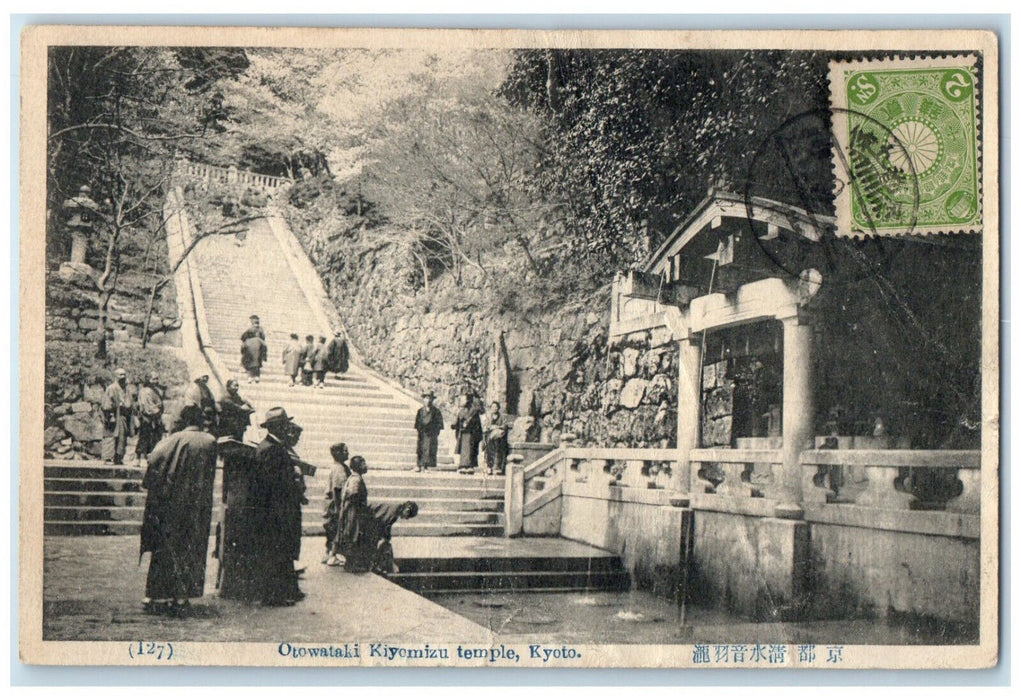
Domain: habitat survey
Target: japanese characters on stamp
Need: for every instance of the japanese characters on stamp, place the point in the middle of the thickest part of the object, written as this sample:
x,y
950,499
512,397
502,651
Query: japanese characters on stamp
x,y
906,138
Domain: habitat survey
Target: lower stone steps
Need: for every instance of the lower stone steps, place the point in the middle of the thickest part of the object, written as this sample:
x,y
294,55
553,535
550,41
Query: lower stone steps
x,y
435,566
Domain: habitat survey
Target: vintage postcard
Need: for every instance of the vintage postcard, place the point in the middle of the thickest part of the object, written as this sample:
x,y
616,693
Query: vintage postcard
x,y
515,349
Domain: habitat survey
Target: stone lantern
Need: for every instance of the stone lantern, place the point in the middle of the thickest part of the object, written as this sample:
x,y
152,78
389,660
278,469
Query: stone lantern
x,y
80,216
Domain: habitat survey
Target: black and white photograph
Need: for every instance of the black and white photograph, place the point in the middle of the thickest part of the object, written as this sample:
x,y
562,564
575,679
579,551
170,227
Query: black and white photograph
x,y
509,349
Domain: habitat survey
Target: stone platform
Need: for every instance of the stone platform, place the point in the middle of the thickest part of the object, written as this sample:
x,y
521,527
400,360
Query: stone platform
x,y
93,587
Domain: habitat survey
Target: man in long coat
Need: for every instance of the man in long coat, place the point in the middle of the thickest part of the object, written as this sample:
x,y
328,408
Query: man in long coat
x,y
253,354
278,492
117,406
429,424
292,358
178,508
150,418
319,362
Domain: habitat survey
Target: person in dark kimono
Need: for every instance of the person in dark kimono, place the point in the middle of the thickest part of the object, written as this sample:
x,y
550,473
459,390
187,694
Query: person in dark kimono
x,y
149,413
292,358
354,515
467,434
306,360
235,416
334,492
254,330
429,424
338,356
253,353
117,407
496,444
319,361
382,518
199,394
278,490
178,507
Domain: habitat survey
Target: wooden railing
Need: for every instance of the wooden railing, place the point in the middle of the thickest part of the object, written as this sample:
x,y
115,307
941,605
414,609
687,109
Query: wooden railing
x,y
215,174
918,480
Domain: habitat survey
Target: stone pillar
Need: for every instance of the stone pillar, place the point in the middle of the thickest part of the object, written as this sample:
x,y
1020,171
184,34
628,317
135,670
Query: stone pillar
x,y
514,495
688,409
798,412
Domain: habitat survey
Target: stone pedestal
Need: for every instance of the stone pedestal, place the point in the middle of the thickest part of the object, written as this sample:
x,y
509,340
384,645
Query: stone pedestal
x,y
753,566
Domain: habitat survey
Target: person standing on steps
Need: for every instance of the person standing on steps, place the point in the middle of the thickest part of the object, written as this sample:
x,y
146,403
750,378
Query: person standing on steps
x,y
496,443
199,394
337,354
254,329
235,412
429,424
334,492
467,434
306,360
319,363
178,508
292,358
116,406
149,412
253,353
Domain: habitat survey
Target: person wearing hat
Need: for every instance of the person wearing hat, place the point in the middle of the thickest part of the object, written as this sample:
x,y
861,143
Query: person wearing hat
x,y
428,423
178,510
149,413
278,491
116,406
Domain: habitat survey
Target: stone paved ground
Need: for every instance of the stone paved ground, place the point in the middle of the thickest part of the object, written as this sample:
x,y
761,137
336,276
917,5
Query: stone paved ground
x,y
93,587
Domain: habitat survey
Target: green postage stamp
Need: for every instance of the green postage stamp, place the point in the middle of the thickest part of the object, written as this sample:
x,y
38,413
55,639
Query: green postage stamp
x,y
906,148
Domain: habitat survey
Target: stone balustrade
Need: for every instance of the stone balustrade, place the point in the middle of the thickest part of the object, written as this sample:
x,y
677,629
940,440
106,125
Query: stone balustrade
x,y
736,473
920,480
214,174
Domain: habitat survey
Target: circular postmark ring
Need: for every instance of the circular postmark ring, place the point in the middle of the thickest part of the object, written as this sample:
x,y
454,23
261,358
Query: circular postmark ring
x,y
824,254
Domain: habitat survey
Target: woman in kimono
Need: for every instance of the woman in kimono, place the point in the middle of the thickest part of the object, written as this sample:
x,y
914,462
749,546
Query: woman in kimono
x,y
467,433
354,516
380,530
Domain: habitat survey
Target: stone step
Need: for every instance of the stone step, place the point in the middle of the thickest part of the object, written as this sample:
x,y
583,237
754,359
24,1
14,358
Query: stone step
x,y
67,469
88,514
96,499
512,581
483,565
90,485
408,493
412,529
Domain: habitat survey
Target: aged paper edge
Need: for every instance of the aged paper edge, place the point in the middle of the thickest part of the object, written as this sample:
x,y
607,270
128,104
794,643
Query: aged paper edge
x,y
36,39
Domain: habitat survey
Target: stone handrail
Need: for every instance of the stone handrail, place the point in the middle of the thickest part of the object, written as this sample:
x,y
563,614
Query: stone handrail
x,y
926,480
742,473
177,243
230,175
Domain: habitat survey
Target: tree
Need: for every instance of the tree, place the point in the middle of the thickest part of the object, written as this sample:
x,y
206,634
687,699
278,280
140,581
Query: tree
x,y
636,138
117,118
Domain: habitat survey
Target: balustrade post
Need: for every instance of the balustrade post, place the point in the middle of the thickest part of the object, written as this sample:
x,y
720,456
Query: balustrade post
x,y
514,495
798,413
